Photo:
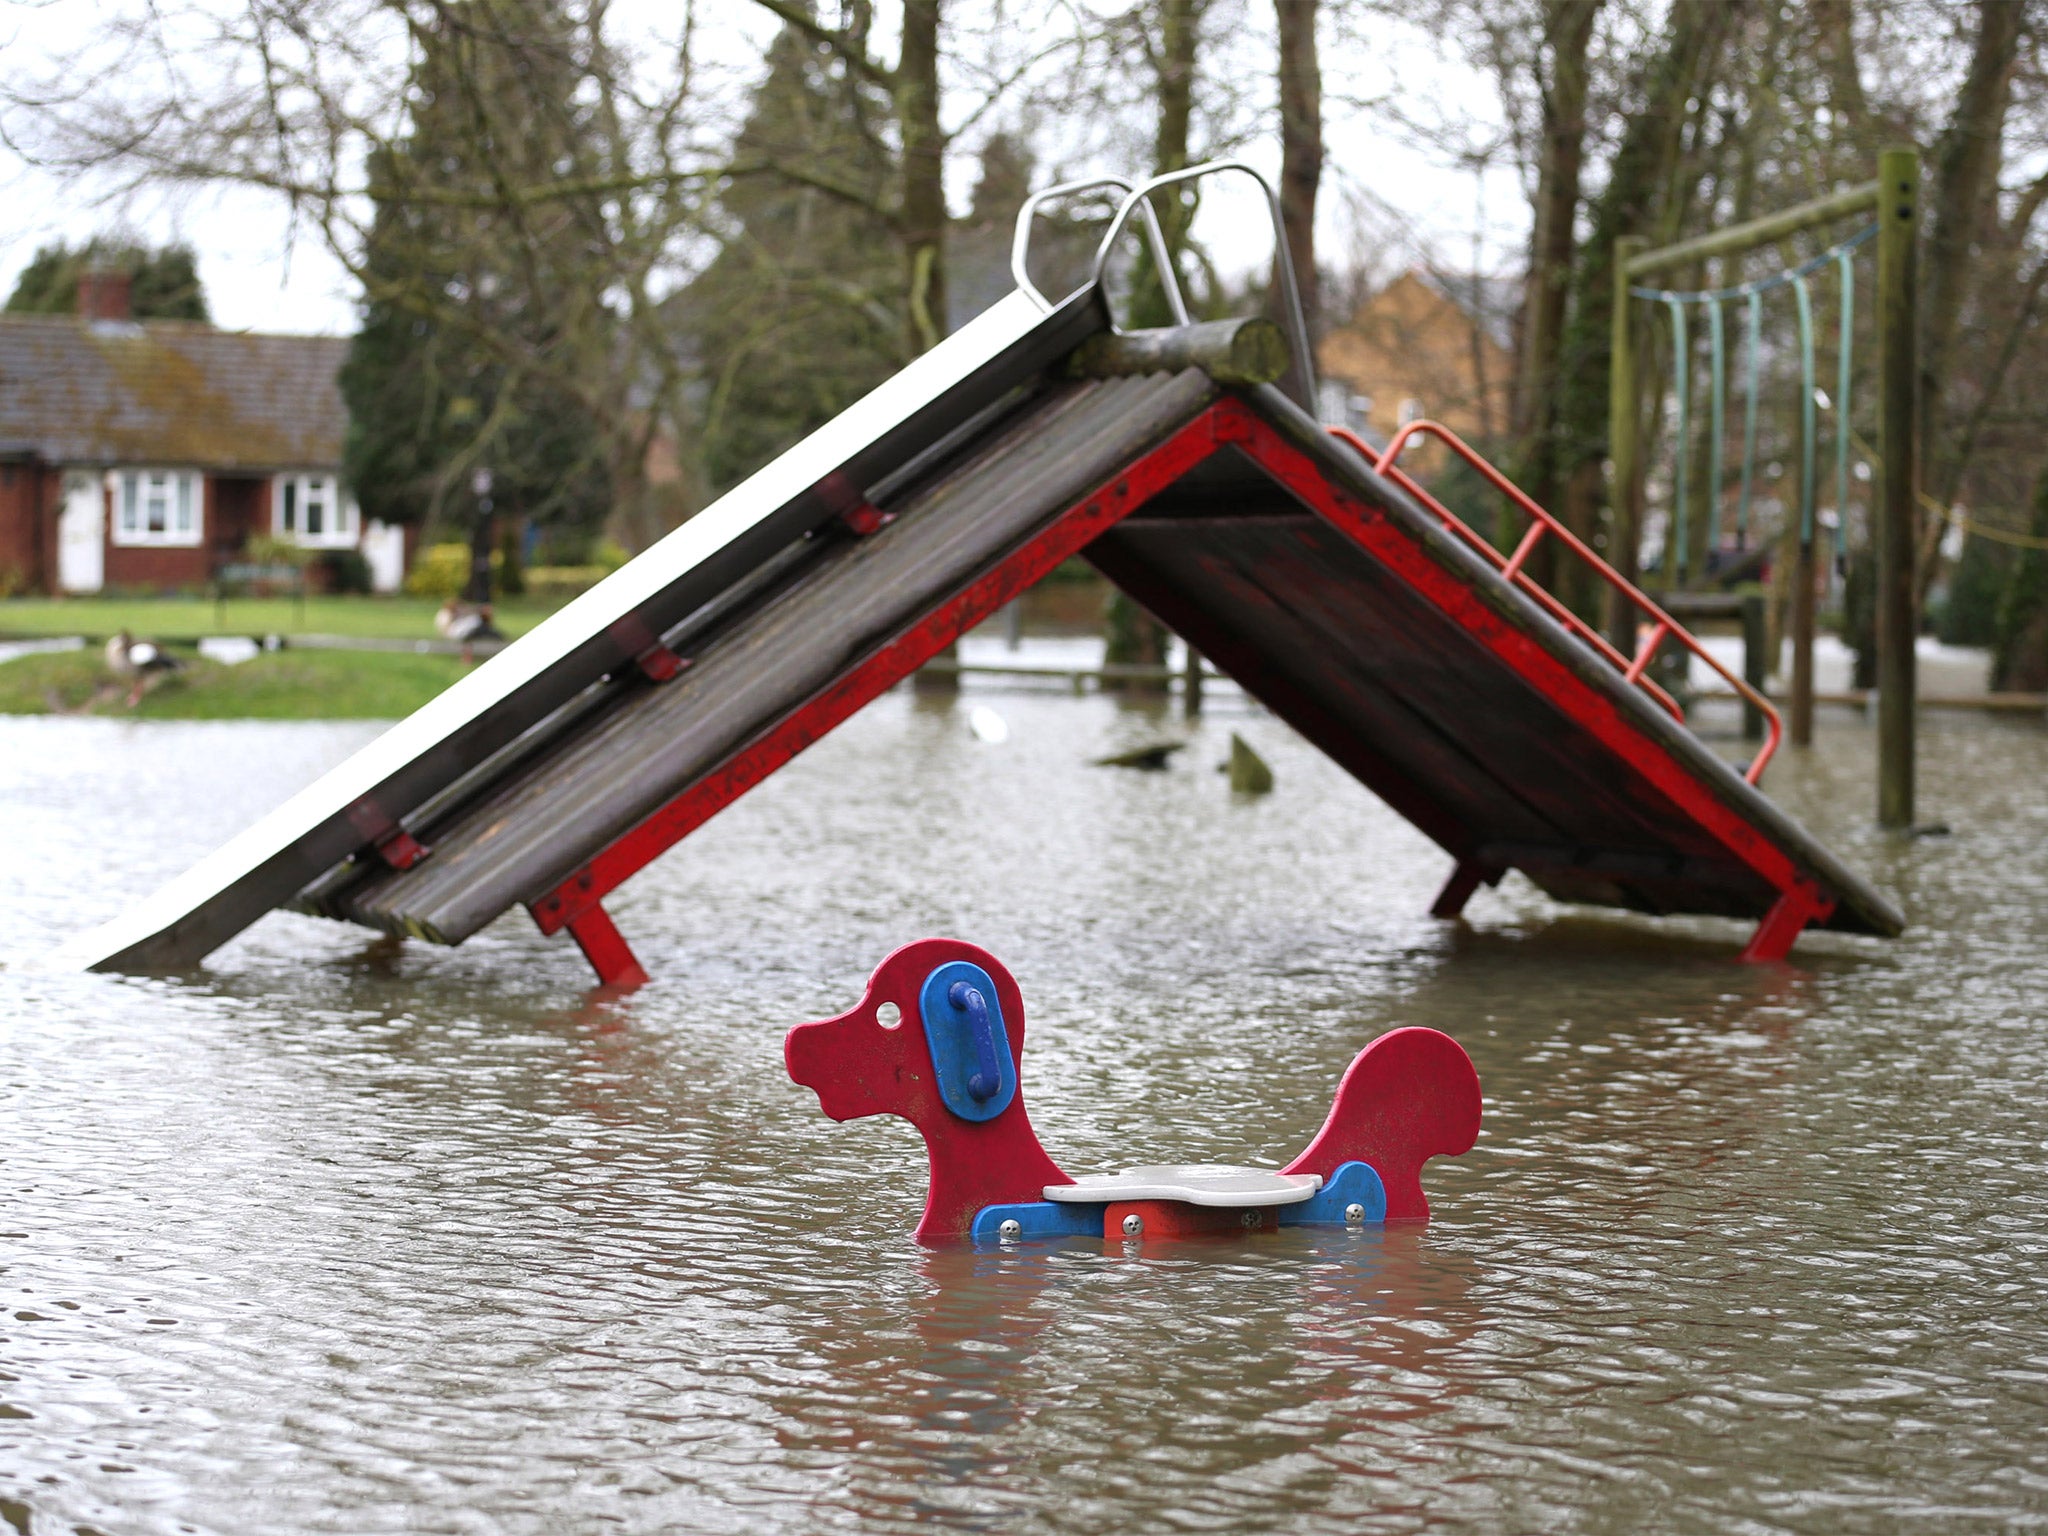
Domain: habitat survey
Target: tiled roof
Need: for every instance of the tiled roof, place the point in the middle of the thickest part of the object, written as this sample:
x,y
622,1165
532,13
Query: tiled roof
x,y
168,392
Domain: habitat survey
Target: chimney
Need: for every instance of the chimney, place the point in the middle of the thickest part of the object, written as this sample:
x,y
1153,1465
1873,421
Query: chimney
x,y
102,294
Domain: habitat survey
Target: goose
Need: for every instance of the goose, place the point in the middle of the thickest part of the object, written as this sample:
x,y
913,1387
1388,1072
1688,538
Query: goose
x,y
467,623
138,661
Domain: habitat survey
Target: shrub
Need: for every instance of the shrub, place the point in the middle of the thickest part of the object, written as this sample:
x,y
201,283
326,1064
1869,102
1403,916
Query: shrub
x,y
508,574
570,547
563,580
265,549
439,570
1968,613
2019,661
343,570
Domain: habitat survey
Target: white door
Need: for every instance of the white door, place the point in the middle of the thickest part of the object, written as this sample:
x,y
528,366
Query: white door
x,y
82,534
384,549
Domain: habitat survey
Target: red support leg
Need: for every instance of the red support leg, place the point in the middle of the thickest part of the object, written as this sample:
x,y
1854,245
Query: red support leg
x,y
605,948
1797,905
1465,879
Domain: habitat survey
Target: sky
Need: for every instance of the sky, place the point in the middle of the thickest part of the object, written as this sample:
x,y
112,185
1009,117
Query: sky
x,y
262,275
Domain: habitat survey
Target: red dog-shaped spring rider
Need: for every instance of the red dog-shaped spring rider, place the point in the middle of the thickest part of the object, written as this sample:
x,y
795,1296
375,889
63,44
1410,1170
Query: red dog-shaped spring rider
x,y
938,1038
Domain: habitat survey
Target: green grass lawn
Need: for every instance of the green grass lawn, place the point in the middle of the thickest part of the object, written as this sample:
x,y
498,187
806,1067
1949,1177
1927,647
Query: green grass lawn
x,y
278,685
187,618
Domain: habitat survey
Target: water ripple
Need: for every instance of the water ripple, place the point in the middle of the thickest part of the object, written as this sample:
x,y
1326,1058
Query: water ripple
x,y
342,1236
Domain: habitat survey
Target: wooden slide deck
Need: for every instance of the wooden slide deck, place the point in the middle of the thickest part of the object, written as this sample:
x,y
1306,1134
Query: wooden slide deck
x,y
1323,587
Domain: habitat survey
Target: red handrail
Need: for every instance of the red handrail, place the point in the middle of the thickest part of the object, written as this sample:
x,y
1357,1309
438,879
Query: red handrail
x,y
1662,626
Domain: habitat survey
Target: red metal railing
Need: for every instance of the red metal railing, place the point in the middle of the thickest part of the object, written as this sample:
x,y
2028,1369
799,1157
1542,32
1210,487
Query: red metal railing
x,y
1662,626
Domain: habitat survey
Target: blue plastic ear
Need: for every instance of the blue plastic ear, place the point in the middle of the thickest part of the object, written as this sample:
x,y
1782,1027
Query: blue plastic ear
x,y
970,1044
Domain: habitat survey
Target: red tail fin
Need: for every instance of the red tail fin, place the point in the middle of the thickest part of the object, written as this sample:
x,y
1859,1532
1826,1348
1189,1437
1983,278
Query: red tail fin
x,y
1409,1096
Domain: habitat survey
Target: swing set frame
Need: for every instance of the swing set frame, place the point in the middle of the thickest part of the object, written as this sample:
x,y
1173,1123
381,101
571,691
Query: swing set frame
x,y
1893,198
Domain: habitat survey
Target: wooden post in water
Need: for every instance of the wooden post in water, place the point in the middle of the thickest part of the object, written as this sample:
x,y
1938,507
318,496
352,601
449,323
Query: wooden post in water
x,y
1624,427
1898,215
1191,682
1803,600
1755,664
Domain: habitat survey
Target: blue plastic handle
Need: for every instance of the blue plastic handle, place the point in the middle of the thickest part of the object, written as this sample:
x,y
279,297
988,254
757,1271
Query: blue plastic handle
x,y
987,1080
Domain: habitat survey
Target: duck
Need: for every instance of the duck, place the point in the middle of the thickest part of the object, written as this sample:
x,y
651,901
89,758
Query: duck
x,y
138,661
937,1039
467,623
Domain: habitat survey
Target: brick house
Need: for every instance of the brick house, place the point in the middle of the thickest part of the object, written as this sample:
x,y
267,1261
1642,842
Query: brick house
x,y
145,455
1414,349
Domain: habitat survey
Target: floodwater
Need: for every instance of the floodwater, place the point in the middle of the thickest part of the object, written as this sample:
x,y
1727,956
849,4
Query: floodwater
x,y
341,1236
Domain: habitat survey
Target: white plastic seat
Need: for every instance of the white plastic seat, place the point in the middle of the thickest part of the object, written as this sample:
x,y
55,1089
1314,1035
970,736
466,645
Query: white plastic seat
x,y
1215,1184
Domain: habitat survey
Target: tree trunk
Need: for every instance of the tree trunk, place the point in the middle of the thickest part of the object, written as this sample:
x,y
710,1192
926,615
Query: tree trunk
x,y
1833,22
923,211
1134,637
921,215
1174,51
1552,243
481,531
1966,164
1301,155
1568,31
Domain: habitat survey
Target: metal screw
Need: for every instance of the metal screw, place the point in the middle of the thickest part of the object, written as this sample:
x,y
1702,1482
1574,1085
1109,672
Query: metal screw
x,y
1253,1219
1133,1224
1010,1230
1354,1214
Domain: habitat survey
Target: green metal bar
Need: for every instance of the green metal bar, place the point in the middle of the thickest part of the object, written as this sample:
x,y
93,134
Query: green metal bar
x,y
1806,413
1674,547
1756,327
1718,413
1843,373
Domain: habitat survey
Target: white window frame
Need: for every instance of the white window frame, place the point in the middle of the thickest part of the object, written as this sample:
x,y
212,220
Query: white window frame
x,y
293,495
145,495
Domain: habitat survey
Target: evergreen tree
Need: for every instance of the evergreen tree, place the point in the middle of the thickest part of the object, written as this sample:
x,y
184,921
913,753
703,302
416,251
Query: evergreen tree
x,y
163,283
2019,660
795,318
1969,613
461,362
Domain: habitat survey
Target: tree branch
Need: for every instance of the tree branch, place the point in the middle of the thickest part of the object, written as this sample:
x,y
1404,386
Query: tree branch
x,y
845,47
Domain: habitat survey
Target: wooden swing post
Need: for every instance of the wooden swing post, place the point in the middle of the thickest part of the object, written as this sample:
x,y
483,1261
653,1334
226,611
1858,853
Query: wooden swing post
x,y
1898,223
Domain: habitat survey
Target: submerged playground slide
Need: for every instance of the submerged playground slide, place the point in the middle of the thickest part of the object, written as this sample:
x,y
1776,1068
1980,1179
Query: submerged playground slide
x,y
1313,573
